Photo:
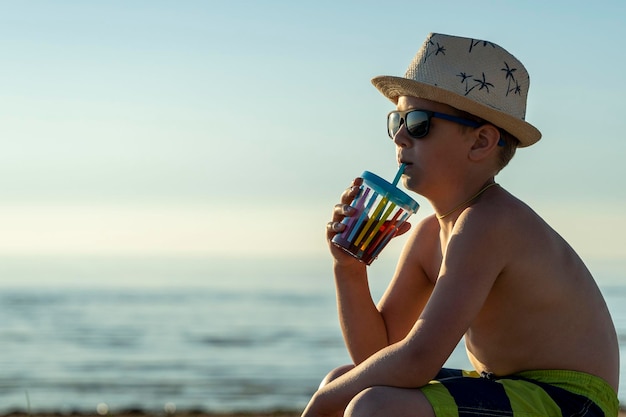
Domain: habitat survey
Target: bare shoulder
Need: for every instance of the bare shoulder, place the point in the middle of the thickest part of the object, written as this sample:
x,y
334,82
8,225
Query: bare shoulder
x,y
502,211
510,224
519,244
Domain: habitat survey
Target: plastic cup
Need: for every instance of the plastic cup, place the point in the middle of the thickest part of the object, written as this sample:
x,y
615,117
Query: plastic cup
x,y
381,208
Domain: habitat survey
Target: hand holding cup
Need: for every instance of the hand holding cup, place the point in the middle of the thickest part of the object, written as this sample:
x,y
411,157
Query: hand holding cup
x,y
372,211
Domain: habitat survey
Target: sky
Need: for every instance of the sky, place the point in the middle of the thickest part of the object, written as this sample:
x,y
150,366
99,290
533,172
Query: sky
x,y
230,128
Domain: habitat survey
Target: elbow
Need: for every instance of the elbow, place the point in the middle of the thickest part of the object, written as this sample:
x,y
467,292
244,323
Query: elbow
x,y
417,366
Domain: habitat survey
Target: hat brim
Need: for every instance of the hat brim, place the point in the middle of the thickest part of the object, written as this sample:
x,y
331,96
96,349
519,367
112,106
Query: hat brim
x,y
394,87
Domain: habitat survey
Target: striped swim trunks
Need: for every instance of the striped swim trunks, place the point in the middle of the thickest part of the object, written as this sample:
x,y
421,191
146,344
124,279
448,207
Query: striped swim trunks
x,y
554,393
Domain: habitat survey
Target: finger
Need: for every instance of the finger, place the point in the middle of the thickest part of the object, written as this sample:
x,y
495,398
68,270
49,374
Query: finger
x,y
398,230
342,210
351,192
358,181
404,227
335,227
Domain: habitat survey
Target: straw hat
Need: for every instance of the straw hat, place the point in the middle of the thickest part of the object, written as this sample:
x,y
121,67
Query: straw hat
x,y
472,75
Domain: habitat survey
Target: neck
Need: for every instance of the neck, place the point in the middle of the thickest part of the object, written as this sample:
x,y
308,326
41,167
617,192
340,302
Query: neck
x,y
468,201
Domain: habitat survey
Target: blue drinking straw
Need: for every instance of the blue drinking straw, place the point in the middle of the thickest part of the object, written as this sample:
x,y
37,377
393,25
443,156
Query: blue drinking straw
x,y
399,174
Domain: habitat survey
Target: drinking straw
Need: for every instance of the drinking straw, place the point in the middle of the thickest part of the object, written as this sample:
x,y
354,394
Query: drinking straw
x,y
390,229
399,174
378,226
358,204
389,235
363,215
375,217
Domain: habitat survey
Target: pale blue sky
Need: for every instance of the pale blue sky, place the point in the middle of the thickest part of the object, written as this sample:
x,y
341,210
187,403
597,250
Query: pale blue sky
x,y
232,127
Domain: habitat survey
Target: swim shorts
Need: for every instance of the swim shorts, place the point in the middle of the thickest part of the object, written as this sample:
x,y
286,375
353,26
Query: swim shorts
x,y
553,393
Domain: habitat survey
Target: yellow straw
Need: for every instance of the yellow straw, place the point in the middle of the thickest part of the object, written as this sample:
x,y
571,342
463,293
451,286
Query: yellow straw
x,y
378,225
375,216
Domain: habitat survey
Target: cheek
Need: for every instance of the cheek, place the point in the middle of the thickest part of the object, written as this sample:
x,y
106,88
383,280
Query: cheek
x,y
427,163
426,170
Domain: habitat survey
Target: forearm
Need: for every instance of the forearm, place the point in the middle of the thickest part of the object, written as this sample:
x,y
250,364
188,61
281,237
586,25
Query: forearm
x,y
393,366
362,324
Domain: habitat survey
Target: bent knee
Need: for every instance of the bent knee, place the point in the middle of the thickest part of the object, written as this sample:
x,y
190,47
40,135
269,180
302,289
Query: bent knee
x,y
367,403
387,401
335,373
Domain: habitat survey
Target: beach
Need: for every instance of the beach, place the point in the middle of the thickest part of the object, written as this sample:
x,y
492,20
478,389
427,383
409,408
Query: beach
x,y
622,413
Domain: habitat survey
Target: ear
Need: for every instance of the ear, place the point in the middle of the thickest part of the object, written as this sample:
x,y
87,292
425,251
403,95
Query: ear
x,y
486,139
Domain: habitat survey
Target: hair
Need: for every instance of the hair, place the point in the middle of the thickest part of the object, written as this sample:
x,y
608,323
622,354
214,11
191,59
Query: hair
x,y
507,151
511,143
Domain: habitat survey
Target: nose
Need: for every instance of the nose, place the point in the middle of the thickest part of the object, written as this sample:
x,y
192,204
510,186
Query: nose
x,y
402,138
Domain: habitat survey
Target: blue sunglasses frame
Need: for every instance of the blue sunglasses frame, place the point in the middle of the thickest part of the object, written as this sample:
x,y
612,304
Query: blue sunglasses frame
x,y
393,130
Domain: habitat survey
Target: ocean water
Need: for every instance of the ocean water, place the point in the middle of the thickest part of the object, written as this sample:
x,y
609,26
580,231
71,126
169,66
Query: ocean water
x,y
172,333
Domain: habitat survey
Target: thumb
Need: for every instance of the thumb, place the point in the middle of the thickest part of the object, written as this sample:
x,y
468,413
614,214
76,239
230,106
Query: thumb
x,y
405,227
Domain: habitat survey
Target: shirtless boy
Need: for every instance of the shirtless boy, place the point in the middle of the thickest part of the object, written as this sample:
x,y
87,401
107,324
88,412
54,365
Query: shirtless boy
x,y
484,266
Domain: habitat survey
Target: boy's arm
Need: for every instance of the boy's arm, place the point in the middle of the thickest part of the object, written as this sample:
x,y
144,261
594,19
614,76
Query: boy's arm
x,y
367,328
474,258
361,323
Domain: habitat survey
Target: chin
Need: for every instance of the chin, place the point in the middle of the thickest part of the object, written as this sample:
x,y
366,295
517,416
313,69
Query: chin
x,y
412,184
409,183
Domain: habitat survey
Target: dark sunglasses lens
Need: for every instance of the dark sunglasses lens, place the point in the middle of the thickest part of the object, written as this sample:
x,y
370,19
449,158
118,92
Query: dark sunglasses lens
x,y
393,124
417,123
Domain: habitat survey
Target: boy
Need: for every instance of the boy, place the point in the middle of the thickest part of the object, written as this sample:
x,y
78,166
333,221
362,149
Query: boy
x,y
484,266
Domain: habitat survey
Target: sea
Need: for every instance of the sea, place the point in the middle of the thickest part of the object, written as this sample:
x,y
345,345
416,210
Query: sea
x,y
165,334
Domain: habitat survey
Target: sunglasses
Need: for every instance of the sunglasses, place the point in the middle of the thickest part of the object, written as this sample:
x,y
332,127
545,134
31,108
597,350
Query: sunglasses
x,y
417,122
